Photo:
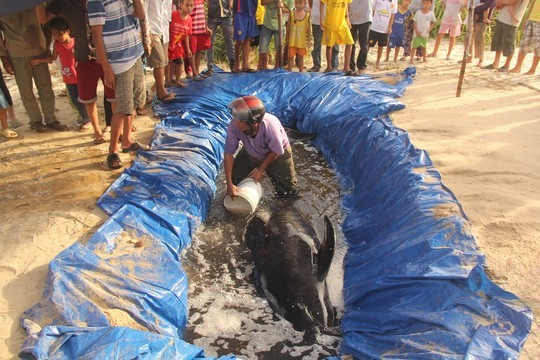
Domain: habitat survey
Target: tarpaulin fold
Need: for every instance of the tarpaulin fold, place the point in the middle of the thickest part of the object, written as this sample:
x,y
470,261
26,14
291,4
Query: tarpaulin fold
x,y
414,282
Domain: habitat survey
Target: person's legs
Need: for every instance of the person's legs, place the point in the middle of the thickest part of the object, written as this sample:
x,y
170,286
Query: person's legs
x,y
227,29
23,78
409,32
245,56
282,172
158,59
42,79
355,32
316,52
347,59
396,54
73,95
450,46
437,44
363,41
534,65
517,68
212,25
328,58
380,49
335,57
243,165
264,42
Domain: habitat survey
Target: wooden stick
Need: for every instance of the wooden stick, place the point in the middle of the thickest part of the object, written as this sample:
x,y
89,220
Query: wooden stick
x,y
468,39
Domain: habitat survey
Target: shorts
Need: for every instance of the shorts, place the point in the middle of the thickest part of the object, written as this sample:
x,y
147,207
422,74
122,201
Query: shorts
x,y
341,36
88,74
265,37
293,51
419,41
396,41
130,89
530,39
5,96
245,26
377,38
255,39
178,61
158,57
199,42
453,29
504,38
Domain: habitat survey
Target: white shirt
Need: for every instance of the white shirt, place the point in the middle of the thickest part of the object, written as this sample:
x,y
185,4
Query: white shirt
x,y
360,12
158,15
382,10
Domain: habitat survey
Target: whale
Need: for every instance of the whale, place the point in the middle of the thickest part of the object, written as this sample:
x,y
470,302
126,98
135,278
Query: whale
x,y
291,265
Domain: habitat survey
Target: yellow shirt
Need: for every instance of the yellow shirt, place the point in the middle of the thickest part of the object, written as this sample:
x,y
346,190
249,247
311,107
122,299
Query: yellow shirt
x,y
335,14
259,15
298,31
535,12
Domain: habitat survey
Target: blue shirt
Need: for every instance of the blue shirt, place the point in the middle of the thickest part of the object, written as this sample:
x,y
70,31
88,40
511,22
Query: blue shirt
x,y
398,27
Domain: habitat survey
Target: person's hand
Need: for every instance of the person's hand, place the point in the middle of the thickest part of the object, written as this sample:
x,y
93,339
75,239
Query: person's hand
x,y
147,48
34,62
389,30
110,80
256,175
8,66
208,31
232,190
189,54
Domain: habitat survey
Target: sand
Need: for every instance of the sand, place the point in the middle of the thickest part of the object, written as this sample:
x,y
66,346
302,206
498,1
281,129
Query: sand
x,y
485,144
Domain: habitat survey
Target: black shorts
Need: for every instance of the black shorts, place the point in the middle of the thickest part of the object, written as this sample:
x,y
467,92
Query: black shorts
x,y
377,38
504,38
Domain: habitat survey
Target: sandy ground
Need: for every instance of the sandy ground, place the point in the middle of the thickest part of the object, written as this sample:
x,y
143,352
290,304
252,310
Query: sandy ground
x,y
485,144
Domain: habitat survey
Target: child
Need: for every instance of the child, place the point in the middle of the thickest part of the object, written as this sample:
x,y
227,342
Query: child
x,y
424,20
451,23
63,48
4,105
245,28
397,36
180,30
199,41
336,30
384,12
299,34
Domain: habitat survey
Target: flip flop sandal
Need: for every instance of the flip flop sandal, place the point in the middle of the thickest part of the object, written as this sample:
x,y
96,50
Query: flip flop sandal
x,y
100,140
114,162
10,134
327,70
489,67
250,71
236,71
141,111
57,125
134,127
39,127
181,84
136,147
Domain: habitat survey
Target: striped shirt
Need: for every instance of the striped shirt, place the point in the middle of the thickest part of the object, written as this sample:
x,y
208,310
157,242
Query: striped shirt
x,y
120,32
199,18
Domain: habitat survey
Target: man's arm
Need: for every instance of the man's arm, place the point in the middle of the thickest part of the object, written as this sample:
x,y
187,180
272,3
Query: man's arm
x,y
232,190
138,9
257,173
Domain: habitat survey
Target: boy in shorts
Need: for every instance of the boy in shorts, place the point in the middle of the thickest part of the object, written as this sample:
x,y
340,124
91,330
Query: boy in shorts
x,y
337,30
384,12
270,28
530,41
245,28
119,47
397,35
298,34
199,41
424,20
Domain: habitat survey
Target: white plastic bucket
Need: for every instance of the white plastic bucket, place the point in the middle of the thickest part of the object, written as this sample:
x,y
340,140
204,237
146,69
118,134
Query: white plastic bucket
x,y
249,195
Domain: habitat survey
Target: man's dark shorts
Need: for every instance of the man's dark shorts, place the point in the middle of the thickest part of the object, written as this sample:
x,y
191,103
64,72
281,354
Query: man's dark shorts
x,y
504,38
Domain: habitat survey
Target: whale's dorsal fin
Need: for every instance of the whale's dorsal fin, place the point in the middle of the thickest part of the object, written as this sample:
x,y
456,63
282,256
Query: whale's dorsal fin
x,y
326,251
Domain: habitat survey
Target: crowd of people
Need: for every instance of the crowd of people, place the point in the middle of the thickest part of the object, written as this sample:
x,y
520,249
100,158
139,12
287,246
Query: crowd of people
x,y
108,39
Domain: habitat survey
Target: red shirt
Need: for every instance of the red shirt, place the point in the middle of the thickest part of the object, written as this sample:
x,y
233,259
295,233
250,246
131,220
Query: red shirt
x,y
67,59
178,30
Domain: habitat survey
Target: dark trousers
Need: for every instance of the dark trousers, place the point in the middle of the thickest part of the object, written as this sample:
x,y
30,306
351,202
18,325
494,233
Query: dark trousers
x,y
316,52
360,33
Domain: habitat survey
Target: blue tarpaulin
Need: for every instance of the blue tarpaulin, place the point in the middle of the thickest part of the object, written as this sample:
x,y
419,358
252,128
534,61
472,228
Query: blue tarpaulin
x,y
414,283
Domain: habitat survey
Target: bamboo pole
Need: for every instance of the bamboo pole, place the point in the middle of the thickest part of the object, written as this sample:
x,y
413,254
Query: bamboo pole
x,y
279,50
466,54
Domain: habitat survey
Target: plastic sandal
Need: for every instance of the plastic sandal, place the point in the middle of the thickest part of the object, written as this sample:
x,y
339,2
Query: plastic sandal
x,y
136,147
57,125
114,162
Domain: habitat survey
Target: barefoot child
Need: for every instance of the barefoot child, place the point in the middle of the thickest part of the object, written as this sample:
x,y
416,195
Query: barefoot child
x,y
451,23
397,36
299,34
4,105
199,41
424,20
384,12
180,30
336,30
